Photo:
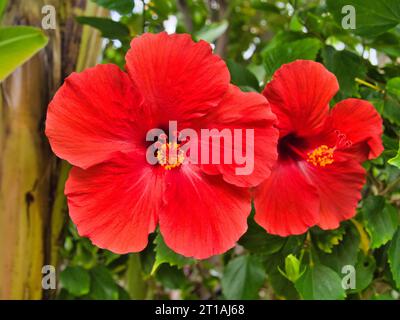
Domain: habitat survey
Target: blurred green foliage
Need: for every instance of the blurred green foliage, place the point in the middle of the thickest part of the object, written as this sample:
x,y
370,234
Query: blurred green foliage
x,y
255,37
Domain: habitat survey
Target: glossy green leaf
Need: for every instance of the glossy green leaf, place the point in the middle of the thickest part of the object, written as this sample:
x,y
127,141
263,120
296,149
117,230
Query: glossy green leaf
x,y
121,6
171,277
212,32
257,240
243,278
108,28
166,255
346,66
372,17
103,286
3,5
17,45
320,283
344,253
381,220
393,86
365,268
394,258
391,109
265,6
395,161
286,52
76,280
241,76
327,239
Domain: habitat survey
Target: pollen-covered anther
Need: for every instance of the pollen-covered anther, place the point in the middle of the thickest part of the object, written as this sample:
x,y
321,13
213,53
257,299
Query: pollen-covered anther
x,y
170,155
321,156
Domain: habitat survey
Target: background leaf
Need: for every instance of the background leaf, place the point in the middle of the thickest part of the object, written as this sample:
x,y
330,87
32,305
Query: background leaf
x,y
76,280
166,255
372,17
108,28
346,66
320,283
212,32
243,277
3,5
17,45
241,76
394,258
381,220
287,52
395,161
103,286
121,6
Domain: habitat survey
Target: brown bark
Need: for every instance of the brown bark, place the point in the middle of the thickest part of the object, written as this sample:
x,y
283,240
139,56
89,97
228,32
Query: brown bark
x,y
32,205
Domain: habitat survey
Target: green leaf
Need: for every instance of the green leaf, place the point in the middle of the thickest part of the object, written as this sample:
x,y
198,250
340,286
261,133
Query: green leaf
x,y
281,285
108,28
18,45
393,86
121,6
171,277
212,32
257,240
103,286
320,283
394,257
123,294
264,6
286,52
327,239
241,76
391,110
3,5
243,277
345,253
396,160
381,220
372,17
76,280
346,66
365,268
166,255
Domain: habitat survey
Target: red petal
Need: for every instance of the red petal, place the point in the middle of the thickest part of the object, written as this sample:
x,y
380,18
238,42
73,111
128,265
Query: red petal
x,y
90,117
339,188
180,79
244,111
115,203
204,215
299,95
286,204
362,125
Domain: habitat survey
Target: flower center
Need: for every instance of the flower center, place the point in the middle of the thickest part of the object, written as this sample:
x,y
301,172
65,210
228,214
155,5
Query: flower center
x,y
170,155
321,156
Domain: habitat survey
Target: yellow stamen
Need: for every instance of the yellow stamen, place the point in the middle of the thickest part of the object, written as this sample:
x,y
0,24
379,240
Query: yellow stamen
x,y
321,156
170,156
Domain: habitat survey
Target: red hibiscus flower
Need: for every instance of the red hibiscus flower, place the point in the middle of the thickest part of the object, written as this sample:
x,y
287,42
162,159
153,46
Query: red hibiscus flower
x,y
98,121
318,176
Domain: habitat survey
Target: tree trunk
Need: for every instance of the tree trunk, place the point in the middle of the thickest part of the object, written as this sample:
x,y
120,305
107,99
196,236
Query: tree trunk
x,y
32,204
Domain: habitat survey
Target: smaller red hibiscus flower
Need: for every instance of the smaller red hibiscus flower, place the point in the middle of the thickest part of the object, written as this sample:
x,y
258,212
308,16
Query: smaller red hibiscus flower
x,y
318,176
99,120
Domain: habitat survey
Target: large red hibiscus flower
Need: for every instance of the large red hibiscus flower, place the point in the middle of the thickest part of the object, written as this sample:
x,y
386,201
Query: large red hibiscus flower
x,y
318,176
98,121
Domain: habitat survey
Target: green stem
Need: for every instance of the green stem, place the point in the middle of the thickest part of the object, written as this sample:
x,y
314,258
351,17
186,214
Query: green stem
x,y
136,286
